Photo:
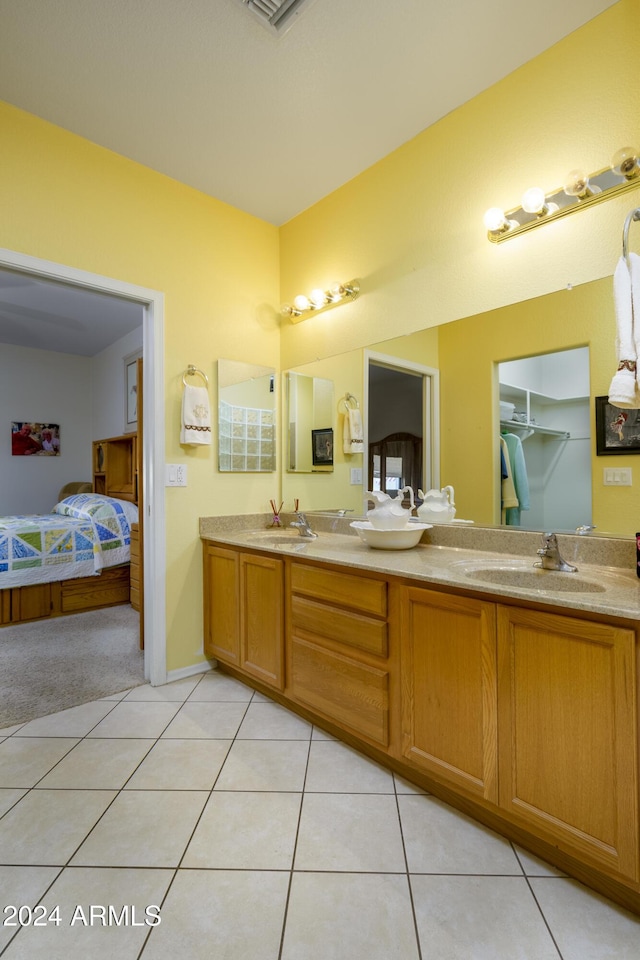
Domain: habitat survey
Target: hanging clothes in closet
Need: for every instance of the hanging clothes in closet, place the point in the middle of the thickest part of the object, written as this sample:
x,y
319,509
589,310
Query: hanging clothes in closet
x,y
515,482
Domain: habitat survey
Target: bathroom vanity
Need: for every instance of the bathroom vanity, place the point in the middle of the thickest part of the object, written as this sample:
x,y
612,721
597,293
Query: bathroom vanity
x,y
516,704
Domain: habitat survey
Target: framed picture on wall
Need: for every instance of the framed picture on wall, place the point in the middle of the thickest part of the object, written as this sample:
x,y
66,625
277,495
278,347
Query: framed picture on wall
x,y
617,430
322,446
131,392
29,439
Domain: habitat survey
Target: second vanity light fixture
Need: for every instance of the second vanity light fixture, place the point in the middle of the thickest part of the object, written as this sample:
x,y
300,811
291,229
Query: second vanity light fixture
x,y
579,191
318,299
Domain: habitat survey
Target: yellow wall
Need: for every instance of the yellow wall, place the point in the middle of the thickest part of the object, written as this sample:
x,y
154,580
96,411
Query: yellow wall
x,y
410,227
67,200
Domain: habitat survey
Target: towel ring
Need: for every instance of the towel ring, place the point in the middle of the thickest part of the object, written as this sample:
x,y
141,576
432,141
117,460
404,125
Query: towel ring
x,y
192,371
350,402
633,215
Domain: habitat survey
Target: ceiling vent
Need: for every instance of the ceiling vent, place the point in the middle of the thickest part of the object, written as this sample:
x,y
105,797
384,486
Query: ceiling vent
x,y
277,15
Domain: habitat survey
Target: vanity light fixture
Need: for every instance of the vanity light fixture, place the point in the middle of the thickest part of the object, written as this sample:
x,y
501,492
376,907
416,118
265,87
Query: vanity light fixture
x,y
318,299
579,190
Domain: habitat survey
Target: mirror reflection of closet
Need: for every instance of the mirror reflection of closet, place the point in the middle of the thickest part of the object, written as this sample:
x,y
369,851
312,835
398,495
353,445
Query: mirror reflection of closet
x,y
246,417
551,419
310,408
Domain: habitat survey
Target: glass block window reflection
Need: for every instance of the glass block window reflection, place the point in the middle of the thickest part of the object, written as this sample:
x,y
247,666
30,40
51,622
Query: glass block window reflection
x,y
246,437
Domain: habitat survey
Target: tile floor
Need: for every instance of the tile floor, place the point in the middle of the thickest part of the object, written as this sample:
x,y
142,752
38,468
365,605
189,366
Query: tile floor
x,y
256,836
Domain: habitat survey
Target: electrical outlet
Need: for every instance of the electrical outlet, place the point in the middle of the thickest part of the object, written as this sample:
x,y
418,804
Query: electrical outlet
x,y
175,475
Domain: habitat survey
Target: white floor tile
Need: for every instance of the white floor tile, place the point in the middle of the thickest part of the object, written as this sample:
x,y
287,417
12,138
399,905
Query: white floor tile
x,y
74,722
24,761
136,719
439,839
334,916
177,691
18,886
356,832
405,786
207,720
218,686
265,765
584,924
180,765
46,826
480,918
87,928
336,768
8,797
240,831
143,828
534,867
239,910
270,721
97,765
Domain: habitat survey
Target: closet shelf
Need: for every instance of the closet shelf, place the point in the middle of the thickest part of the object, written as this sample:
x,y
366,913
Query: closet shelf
x,y
530,428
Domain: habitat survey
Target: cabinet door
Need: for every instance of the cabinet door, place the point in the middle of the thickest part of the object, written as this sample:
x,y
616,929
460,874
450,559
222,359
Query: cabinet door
x,y
221,604
568,733
261,618
448,654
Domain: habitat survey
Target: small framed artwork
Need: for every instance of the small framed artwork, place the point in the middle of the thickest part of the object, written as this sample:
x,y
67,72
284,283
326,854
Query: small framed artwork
x,y
322,447
29,439
617,430
131,391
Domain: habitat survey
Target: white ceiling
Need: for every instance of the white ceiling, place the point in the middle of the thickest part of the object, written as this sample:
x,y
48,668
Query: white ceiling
x,y
201,91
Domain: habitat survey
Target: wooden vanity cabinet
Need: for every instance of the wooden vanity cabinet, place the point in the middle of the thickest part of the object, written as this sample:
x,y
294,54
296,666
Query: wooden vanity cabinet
x,y
532,711
449,688
338,649
568,761
243,612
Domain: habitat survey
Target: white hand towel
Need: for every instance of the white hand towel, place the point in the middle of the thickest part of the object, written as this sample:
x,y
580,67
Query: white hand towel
x,y
624,391
196,416
353,434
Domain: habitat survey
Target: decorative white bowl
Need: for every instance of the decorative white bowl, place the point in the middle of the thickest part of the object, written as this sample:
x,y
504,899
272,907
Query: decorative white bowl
x,y
402,539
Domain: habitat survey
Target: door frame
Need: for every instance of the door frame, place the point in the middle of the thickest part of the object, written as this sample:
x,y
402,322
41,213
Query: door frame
x,y
430,414
152,303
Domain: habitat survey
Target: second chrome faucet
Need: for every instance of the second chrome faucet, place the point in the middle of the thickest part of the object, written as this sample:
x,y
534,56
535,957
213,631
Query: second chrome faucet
x,y
550,555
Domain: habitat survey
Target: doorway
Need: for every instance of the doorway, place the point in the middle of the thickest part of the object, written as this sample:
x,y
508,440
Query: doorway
x,y
402,442
152,304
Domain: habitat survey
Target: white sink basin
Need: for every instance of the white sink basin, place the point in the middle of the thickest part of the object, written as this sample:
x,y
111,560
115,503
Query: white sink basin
x,y
281,538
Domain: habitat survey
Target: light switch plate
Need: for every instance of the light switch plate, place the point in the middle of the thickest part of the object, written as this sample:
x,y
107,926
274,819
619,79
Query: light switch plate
x,y
356,476
617,477
175,475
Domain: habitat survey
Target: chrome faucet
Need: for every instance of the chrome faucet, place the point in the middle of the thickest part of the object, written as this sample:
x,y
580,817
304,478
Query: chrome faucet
x,y
303,527
550,554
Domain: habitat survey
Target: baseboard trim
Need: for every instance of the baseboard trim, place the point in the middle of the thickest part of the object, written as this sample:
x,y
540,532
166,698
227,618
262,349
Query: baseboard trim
x,y
183,672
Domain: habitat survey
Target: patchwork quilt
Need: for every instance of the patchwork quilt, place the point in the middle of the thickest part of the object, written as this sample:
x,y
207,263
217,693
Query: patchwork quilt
x,y
83,534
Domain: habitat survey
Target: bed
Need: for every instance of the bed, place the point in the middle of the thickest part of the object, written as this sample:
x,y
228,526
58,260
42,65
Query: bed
x,y
75,558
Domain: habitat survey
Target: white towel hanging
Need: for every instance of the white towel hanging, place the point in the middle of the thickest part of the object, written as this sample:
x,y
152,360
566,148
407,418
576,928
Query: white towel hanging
x,y
196,416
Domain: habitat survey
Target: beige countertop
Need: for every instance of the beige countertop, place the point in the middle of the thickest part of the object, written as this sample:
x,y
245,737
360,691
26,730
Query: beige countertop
x,y
494,561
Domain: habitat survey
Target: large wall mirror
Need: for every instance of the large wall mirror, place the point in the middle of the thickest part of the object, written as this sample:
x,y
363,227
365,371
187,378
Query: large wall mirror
x,y
246,417
310,423
470,354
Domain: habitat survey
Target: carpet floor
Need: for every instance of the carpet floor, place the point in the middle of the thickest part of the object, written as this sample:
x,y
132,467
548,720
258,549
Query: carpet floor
x,y
51,665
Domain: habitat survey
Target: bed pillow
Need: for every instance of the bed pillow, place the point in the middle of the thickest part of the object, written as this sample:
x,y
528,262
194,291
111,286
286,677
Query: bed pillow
x,y
83,506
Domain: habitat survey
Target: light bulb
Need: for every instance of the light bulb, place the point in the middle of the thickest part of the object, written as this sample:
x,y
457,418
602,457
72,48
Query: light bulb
x,y
286,310
577,185
301,303
318,298
624,162
533,201
336,291
495,220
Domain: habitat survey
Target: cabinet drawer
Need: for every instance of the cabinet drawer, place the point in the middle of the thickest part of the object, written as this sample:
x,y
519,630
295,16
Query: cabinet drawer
x,y
358,593
353,694
352,629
